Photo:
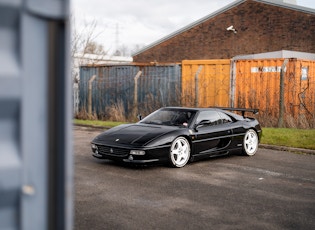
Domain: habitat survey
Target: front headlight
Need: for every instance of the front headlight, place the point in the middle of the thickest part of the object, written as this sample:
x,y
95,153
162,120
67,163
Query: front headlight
x,y
137,152
93,146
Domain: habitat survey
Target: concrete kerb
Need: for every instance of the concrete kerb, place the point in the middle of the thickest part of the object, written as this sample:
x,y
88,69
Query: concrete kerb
x,y
288,149
265,146
90,127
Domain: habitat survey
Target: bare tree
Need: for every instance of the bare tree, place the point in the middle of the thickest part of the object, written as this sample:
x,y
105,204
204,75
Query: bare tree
x,y
94,48
123,51
82,43
83,36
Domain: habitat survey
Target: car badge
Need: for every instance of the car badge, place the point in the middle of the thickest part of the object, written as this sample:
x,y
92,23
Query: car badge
x,y
111,150
117,140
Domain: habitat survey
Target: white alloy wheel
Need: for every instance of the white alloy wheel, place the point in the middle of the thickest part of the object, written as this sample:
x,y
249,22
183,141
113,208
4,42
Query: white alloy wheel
x,y
179,152
250,144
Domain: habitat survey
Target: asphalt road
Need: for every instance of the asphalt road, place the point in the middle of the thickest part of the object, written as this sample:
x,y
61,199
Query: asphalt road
x,y
272,190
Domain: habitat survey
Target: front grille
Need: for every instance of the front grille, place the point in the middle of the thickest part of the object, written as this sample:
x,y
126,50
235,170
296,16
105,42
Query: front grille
x,y
105,150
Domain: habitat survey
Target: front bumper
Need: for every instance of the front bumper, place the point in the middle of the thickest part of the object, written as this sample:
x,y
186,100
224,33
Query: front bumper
x,y
131,159
123,154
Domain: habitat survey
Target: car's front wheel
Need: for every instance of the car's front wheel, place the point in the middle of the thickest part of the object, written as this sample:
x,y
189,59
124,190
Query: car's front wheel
x,y
250,142
179,152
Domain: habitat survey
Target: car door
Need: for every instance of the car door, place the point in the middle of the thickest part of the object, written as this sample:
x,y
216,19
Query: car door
x,y
212,134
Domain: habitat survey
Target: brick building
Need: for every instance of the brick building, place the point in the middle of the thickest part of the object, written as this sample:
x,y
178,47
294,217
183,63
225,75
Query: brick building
x,y
258,26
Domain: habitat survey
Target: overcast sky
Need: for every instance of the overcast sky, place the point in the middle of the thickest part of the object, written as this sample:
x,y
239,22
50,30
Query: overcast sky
x,y
142,22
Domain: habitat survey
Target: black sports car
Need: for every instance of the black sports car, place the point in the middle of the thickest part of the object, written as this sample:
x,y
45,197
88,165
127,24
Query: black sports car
x,y
178,135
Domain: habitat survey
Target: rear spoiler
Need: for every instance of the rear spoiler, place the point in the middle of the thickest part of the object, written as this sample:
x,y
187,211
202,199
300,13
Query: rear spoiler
x,y
243,110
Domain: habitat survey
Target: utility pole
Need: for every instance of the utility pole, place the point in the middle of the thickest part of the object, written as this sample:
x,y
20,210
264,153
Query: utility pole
x,y
117,39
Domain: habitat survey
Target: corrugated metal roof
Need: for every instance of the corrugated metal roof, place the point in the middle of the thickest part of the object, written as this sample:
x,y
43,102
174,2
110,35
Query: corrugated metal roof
x,y
98,58
278,3
277,54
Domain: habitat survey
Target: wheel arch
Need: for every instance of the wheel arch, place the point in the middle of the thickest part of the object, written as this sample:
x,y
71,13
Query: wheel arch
x,y
259,134
256,129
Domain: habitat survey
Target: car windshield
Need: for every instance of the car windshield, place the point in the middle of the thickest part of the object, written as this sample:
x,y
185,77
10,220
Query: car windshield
x,y
170,117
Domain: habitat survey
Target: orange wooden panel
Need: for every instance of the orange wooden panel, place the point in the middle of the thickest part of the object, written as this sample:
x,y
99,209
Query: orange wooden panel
x,y
257,84
213,82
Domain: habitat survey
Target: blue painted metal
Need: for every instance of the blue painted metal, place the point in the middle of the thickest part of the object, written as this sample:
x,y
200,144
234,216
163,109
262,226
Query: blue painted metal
x,y
35,116
158,85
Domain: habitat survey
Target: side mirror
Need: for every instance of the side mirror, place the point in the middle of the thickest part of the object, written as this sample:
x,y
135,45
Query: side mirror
x,y
139,116
202,123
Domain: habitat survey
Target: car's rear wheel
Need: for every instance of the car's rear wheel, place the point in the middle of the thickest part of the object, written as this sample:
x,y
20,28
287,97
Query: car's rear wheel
x,y
250,142
179,152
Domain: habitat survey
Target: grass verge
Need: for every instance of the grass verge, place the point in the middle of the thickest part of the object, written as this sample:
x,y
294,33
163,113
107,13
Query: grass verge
x,y
108,124
296,138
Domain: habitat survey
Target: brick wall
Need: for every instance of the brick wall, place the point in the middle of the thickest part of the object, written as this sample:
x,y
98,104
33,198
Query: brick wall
x,y
260,28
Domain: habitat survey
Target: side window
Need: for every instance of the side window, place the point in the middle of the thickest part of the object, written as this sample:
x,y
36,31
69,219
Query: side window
x,y
211,116
225,118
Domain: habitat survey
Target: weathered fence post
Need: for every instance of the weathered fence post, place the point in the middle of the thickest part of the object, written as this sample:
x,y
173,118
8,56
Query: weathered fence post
x,y
232,83
75,98
281,99
90,95
196,85
135,96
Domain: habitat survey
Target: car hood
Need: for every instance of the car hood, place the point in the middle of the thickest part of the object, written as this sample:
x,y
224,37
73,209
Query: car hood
x,y
133,134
